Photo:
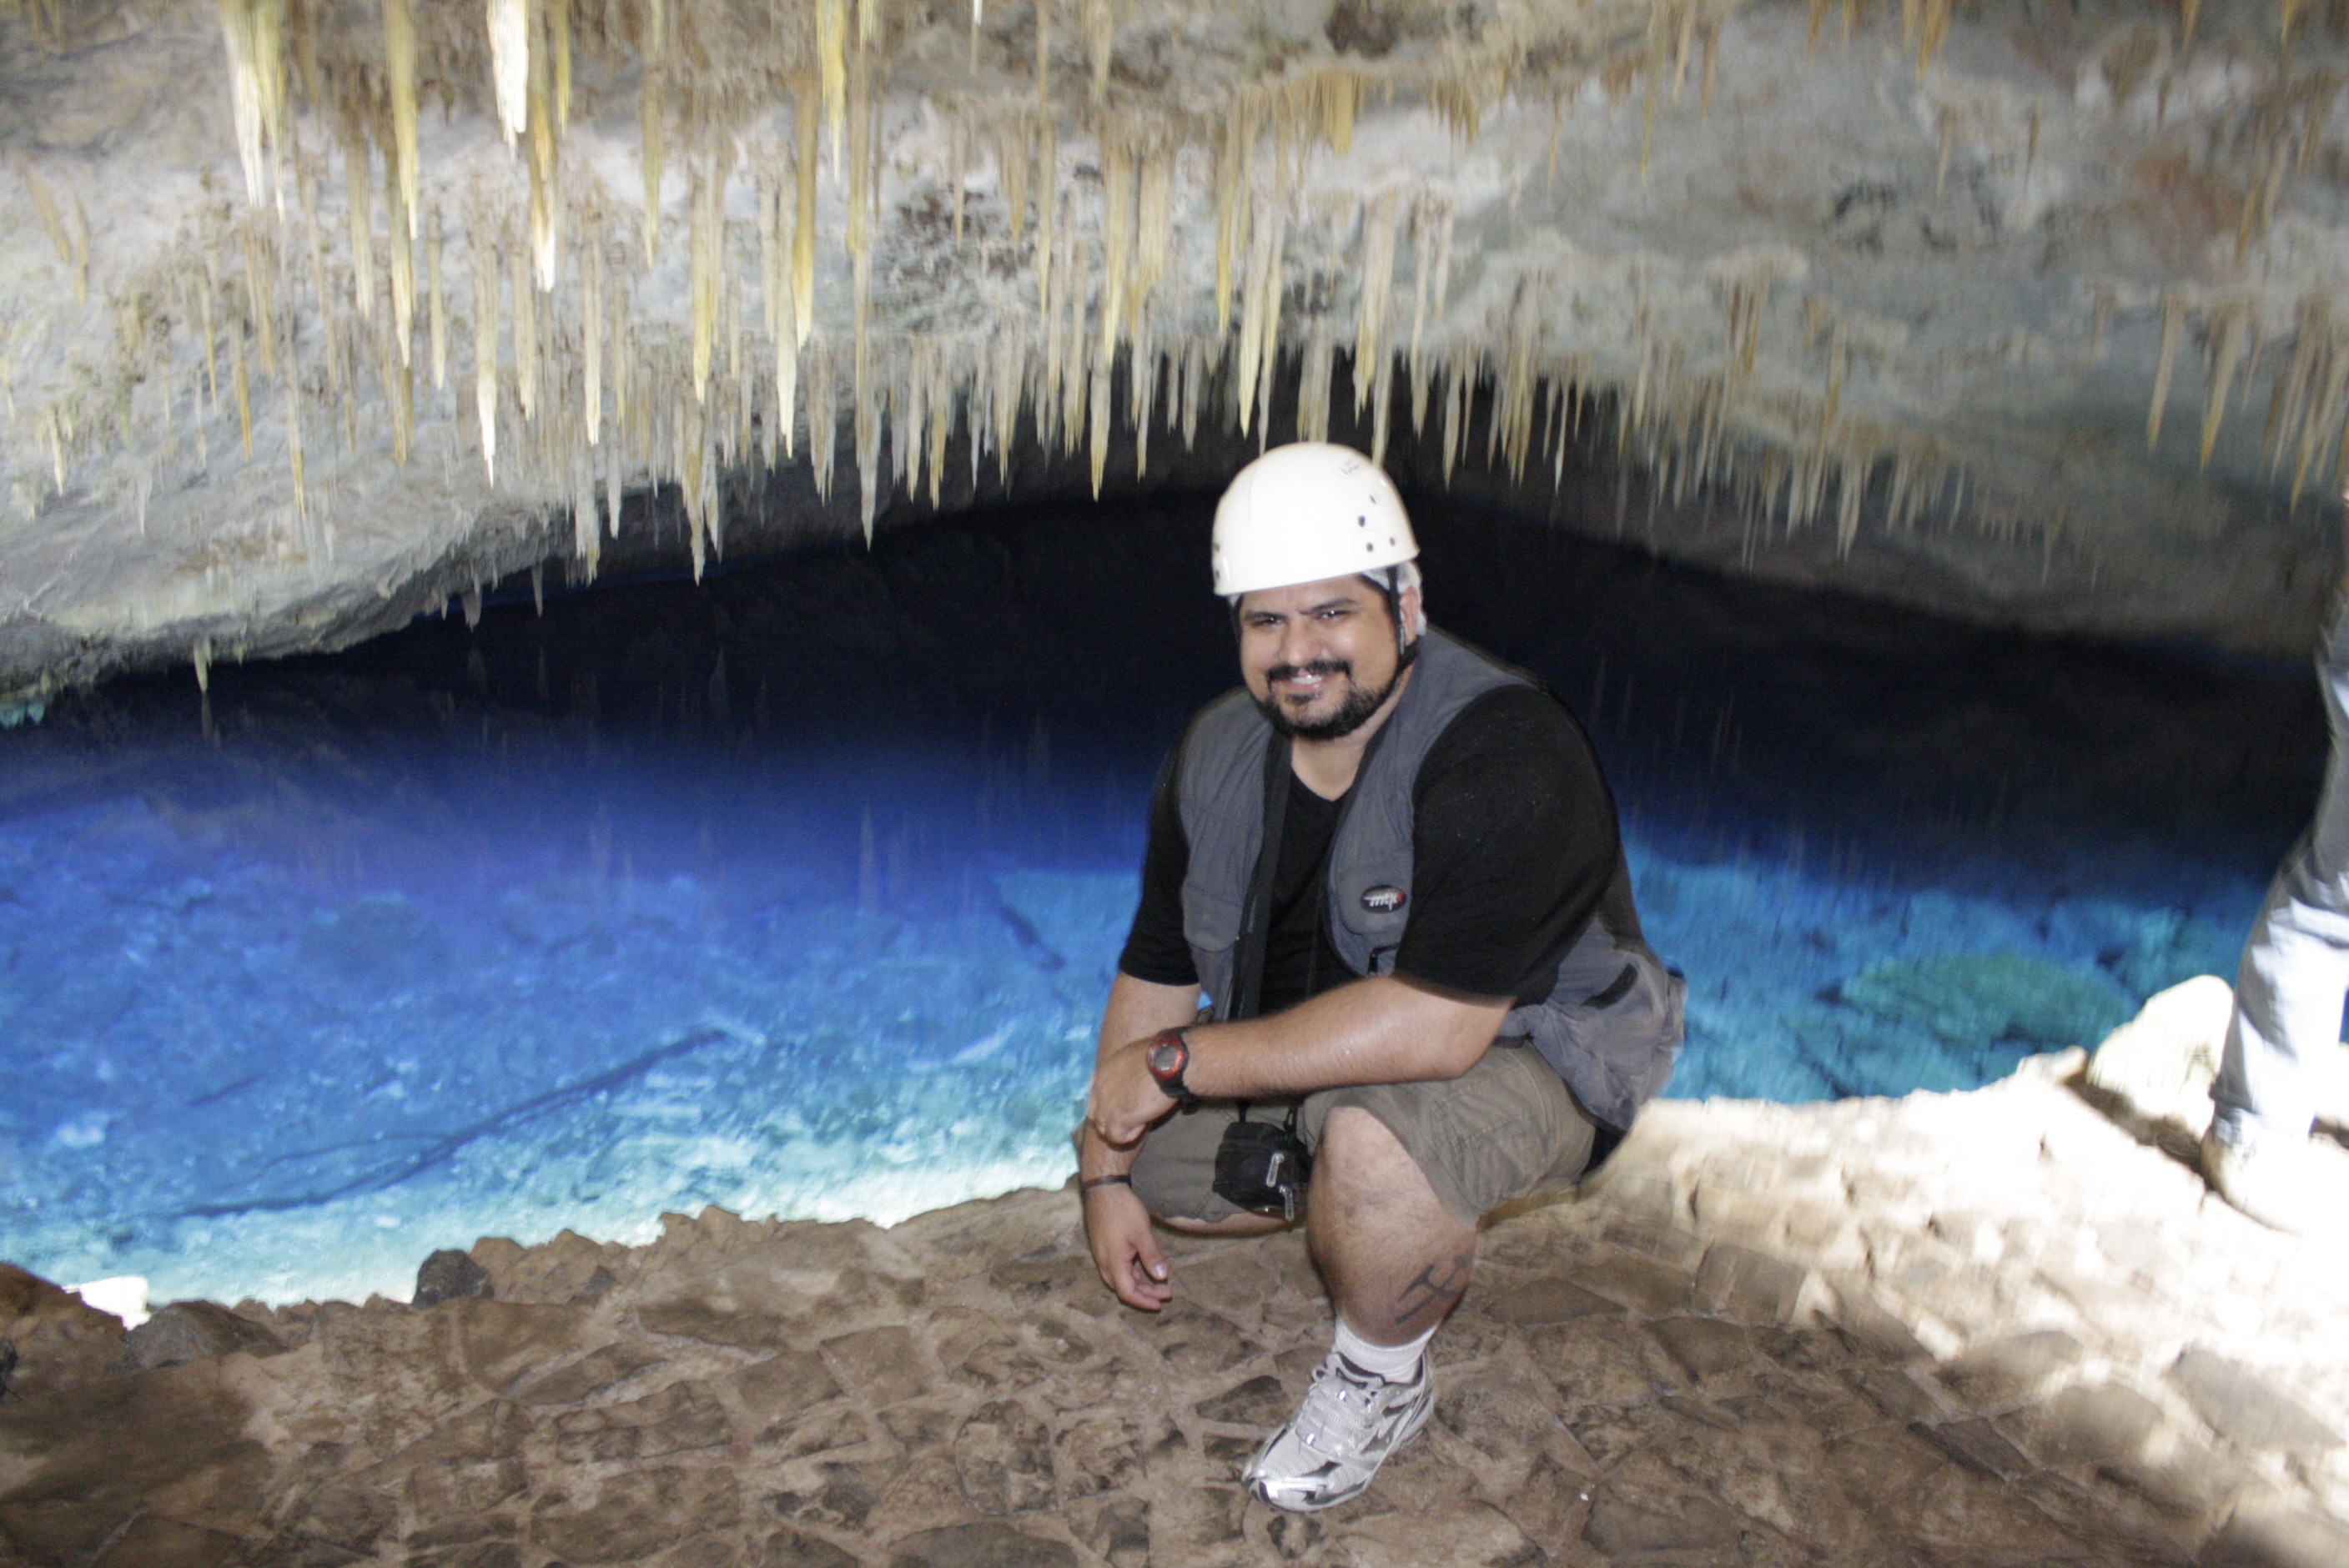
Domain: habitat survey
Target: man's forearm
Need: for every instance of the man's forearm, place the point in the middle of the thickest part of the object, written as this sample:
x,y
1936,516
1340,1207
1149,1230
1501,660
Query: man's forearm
x,y
1385,1030
1368,1031
1136,1010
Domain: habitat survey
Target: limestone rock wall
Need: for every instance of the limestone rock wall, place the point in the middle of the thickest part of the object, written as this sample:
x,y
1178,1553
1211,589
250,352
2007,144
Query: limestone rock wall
x,y
314,315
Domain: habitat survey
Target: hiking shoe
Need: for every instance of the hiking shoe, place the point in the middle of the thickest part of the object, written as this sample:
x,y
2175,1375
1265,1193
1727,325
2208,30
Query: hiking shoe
x,y
2263,1176
1350,1422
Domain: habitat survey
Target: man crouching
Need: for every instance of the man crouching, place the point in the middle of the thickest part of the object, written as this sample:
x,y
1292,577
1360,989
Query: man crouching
x,y
1393,866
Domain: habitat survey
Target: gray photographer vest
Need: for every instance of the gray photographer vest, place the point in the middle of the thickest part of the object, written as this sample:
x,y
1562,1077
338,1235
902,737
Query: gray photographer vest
x,y
1611,1023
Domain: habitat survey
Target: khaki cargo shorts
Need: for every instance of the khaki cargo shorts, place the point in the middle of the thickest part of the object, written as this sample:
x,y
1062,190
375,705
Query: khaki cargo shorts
x,y
1503,1129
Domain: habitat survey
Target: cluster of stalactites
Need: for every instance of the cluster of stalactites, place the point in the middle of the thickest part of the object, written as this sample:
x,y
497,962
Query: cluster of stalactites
x,y
2306,427
507,315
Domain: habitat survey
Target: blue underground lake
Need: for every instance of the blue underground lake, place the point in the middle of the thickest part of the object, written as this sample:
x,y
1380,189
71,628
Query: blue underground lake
x,y
797,892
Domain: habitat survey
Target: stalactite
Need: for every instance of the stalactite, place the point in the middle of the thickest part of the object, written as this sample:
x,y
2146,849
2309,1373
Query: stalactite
x,y
436,303
1046,185
612,486
1513,411
1379,223
1117,230
526,335
2325,411
961,174
591,338
243,399
864,176
1425,223
399,78
867,427
1232,209
485,338
804,225
254,33
558,25
2173,319
621,367
652,109
1313,378
1010,354
1260,309
392,370
356,165
945,377
1043,60
691,463
1142,368
290,389
1455,409
1101,38
1012,154
774,297
1052,367
2229,325
545,202
832,57
399,235
1097,417
586,546
1154,226
212,336
510,65
708,240
1852,480
1076,353
909,418
2294,380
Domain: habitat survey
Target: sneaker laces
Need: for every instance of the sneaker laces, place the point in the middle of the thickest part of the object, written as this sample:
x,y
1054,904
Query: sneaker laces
x,y
1342,1404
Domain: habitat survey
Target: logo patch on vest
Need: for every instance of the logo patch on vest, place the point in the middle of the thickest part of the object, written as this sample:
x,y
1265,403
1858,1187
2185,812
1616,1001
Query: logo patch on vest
x,y
1384,900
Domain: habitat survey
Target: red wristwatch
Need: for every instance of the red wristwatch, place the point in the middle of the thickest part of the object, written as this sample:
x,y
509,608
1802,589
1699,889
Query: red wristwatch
x,y
1170,1055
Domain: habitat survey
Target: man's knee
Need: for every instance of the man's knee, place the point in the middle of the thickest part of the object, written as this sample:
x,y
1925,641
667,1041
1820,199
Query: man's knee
x,y
1362,1162
1357,1147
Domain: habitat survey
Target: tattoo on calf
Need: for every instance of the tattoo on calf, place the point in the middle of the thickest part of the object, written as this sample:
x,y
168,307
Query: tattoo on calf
x,y
1435,1288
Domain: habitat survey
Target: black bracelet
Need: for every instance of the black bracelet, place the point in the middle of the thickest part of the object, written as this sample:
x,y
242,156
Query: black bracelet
x,y
1097,1182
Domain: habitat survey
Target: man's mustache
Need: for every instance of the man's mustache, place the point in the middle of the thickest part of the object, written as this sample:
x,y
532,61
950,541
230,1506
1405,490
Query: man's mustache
x,y
1323,668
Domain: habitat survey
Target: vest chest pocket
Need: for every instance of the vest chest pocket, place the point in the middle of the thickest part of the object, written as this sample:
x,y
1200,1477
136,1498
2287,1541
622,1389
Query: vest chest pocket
x,y
1372,905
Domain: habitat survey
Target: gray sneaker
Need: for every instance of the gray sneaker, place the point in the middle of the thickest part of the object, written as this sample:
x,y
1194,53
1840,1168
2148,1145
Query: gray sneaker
x,y
1350,1422
2266,1176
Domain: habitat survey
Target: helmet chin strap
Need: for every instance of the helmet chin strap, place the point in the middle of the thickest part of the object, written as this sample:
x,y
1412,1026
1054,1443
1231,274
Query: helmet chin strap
x,y
1406,642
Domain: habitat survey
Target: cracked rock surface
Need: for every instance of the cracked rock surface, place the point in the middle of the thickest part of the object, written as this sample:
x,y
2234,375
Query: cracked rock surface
x,y
1988,1327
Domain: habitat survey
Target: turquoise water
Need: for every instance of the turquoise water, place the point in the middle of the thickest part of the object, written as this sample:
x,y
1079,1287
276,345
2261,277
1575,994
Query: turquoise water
x,y
798,892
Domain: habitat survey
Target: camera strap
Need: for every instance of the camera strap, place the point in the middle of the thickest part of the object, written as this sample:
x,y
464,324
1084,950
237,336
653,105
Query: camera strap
x,y
1287,1124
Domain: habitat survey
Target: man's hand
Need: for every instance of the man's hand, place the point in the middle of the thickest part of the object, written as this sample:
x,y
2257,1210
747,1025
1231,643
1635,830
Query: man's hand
x,y
1117,1228
1126,1101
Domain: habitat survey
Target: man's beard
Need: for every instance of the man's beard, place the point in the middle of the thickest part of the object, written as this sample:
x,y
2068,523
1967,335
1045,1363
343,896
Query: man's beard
x,y
1352,715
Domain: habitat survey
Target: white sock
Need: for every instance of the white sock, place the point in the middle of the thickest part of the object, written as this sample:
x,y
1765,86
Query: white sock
x,y
1394,1362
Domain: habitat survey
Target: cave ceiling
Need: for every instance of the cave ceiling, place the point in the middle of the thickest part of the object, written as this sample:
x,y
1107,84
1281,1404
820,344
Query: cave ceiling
x,y
313,313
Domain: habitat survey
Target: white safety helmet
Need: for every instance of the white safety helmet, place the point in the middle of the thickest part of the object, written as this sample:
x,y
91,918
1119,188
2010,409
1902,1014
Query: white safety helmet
x,y
1306,511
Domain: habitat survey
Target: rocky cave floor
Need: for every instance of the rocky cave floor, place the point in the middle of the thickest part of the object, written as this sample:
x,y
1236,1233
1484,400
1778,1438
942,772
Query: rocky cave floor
x,y
1986,1328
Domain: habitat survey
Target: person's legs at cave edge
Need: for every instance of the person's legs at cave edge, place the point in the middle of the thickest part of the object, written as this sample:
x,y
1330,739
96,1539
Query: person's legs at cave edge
x,y
2288,996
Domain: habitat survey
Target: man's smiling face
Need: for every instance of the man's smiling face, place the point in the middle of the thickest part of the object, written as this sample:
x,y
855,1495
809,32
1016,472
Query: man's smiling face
x,y
1320,658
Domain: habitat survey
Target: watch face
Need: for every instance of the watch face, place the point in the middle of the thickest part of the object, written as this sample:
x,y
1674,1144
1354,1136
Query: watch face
x,y
1167,1059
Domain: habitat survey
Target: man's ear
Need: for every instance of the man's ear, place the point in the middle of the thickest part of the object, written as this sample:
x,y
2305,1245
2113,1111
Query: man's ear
x,y
1409,607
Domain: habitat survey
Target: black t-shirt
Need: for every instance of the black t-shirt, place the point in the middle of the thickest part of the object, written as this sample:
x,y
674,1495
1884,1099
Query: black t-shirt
x,y
1514,847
